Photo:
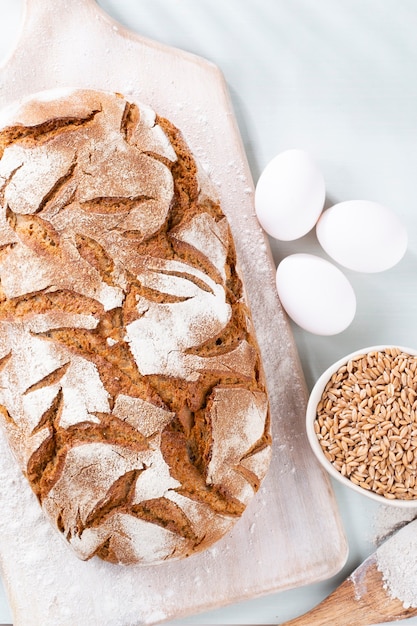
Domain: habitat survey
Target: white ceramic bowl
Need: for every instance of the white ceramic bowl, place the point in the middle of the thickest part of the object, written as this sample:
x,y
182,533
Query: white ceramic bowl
x,y
314,399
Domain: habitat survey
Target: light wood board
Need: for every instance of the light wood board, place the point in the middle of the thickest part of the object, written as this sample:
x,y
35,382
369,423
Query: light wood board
x,y
291,534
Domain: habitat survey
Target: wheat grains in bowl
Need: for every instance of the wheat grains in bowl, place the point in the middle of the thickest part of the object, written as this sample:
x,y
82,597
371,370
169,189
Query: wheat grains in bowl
x,y
362,422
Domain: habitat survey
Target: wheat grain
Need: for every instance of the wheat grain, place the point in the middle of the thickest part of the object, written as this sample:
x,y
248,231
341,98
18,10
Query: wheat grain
x,y
366,422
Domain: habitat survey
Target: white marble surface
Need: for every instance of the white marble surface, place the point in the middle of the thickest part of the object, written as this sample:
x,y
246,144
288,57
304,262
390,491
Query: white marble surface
x,y
338,80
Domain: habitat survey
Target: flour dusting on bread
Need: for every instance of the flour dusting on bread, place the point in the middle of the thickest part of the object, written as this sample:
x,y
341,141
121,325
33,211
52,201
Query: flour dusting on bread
x,y
131,387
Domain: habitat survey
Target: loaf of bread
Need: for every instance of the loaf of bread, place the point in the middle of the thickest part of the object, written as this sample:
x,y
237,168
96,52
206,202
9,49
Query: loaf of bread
x,y
131,388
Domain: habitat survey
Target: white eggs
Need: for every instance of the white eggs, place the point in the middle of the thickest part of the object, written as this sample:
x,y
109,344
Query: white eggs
x,y
289,195
361,235
315,294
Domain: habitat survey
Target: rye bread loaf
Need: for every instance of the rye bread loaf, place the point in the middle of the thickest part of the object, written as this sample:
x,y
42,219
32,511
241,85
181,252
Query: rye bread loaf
x,y
131,387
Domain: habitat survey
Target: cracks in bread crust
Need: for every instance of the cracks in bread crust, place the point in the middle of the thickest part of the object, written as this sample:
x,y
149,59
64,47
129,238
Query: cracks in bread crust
x,y
116,262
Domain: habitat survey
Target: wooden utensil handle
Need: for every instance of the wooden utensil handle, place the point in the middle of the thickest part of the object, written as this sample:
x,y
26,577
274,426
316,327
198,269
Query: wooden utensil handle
x,y
37,12
336,609
45,5
361,600
42,12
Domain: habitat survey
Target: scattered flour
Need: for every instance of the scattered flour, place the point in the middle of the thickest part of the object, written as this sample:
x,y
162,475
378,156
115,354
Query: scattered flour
x,y
388,520
396,560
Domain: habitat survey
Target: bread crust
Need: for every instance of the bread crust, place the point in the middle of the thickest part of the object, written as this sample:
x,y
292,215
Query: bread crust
x,y
131,385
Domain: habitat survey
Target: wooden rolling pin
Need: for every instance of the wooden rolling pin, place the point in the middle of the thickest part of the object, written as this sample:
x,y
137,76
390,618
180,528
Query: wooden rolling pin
x,y
363,598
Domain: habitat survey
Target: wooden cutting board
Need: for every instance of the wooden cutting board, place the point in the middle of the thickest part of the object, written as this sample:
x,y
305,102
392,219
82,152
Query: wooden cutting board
x,y
291,534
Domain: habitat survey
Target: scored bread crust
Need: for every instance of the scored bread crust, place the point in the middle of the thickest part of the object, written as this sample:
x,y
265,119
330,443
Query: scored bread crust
x,y
131,387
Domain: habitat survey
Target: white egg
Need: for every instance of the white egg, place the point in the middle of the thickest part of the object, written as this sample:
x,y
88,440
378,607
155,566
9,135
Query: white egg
x,y
315,293
363,236
289,195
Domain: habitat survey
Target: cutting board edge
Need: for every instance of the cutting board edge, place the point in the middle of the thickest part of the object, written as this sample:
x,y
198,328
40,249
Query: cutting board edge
x,y
217,73
262,593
